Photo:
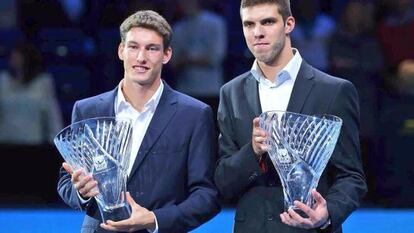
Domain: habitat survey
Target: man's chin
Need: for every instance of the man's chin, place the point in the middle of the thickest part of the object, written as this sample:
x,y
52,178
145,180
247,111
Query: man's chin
x,y
264,59
145,82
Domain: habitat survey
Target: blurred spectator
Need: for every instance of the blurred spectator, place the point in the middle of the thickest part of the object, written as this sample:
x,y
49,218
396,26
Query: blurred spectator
x,y
355,54
405,77
29,112
396,32
397,136
199,48
312,33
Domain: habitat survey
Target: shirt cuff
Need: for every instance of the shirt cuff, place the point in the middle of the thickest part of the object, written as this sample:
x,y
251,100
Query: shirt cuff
x,y
326,225
156,225
82,201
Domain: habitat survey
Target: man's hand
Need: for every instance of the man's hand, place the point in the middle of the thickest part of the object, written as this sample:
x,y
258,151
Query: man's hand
x,y
85,184
317,216
258,139
141,218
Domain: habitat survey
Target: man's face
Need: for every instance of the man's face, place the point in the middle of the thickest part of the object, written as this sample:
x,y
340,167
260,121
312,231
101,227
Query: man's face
x,y
264,31
143,56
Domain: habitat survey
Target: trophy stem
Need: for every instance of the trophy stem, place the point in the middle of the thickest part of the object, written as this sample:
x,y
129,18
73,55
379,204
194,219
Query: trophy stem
x,y
116,213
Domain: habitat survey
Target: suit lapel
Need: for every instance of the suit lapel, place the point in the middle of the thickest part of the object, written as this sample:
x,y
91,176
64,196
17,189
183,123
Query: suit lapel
x,y
106,105
301,89
162,116
252,96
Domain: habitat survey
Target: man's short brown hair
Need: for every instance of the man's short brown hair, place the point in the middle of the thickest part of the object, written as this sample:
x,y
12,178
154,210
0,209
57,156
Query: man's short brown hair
x,y
150,20
283,6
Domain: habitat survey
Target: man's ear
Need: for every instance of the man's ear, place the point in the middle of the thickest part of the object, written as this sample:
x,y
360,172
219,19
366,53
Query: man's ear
x,y
290,24
167,55
121,51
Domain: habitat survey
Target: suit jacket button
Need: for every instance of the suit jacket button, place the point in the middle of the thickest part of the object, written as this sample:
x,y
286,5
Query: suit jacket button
x,y
270,217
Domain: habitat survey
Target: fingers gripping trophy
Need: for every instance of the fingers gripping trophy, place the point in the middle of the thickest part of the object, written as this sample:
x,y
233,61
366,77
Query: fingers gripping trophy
x,y
299,147
101,147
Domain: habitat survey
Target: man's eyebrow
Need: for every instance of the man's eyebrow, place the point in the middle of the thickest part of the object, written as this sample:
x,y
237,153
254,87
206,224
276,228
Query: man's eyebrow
x,y
272,19
153,44
247,22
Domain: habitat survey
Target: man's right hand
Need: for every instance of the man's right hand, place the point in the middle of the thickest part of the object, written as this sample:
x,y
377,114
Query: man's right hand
x,y
259,137
85,184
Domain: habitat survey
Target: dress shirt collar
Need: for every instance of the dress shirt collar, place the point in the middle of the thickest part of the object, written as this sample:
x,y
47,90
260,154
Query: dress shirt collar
x,y
290,71
121,104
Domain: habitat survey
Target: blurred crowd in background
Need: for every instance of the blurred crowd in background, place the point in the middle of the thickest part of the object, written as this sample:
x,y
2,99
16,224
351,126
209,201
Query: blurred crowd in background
x,y
53,53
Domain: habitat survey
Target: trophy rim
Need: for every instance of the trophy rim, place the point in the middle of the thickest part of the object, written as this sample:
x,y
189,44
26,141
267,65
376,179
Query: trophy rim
x,y
332,118
91,119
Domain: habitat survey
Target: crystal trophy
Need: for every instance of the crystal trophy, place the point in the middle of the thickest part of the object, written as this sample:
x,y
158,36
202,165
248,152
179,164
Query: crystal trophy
x,y
101,147
299,147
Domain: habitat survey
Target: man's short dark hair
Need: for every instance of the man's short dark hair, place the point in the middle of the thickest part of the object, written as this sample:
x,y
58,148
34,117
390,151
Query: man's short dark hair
x,y
283,6
150,20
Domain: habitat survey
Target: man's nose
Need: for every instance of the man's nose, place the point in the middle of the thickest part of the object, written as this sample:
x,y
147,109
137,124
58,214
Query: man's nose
x,y
141,57
258,32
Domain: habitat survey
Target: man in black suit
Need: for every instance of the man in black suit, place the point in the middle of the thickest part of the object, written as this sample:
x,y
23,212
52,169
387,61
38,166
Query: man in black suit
x,y
281,80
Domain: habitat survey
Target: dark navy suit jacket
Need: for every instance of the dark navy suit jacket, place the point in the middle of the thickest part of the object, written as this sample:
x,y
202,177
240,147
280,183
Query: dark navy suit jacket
x,y
173,171
260,195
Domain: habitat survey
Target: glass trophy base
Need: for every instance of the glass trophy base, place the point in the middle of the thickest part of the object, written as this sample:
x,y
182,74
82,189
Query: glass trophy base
x,y
116,214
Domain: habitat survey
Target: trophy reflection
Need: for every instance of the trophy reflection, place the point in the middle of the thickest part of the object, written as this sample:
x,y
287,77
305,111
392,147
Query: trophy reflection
x,y
101,146
299,147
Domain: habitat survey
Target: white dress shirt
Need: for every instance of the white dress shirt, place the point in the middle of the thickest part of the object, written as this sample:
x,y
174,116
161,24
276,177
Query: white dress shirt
x,y
29,113
140,123
140,120
275,95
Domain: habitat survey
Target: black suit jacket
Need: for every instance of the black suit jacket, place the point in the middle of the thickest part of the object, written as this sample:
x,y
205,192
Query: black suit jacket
x,y
173,172
260,196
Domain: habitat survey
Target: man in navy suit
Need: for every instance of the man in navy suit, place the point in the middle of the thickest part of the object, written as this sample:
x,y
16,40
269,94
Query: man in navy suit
x,y
281,80
170,184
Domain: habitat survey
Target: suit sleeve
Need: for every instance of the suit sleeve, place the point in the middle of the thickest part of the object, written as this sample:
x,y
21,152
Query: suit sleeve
x,y
202,202
345,166
237,165
66,190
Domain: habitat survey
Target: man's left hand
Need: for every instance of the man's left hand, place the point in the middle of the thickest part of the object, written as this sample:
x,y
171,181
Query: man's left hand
x,y
317,216
141,218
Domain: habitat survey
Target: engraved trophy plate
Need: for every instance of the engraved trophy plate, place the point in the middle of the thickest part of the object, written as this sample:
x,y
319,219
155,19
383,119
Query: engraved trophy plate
x,y
300,147
101,146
